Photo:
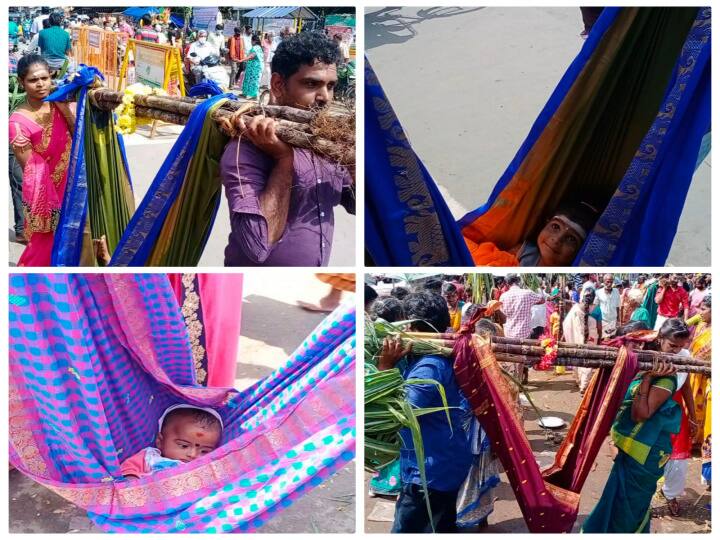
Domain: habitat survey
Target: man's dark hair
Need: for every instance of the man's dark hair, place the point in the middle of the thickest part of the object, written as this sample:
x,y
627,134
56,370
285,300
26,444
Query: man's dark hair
x,y
429,309
389,309
237,30
513,279
304,49
219,27
146,20
44,10
433,285
55,18
399,292
707,301
370,295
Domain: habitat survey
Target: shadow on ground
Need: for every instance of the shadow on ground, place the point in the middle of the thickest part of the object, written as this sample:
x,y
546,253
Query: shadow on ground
x,y
389,25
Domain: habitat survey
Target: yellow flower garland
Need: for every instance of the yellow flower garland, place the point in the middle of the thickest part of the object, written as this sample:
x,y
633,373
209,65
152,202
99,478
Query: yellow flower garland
x,y
127,121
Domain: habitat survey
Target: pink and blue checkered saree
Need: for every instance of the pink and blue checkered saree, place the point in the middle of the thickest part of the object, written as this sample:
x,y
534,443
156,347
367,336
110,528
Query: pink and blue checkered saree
x,y
96,359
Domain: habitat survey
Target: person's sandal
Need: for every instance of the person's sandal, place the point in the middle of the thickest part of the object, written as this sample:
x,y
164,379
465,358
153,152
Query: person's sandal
x,y
673,504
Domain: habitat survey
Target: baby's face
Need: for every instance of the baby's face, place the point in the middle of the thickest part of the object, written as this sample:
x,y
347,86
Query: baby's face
x,y
185,439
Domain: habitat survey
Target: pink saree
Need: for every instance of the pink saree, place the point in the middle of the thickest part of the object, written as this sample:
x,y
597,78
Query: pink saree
x,y
211,305
549,500
44,178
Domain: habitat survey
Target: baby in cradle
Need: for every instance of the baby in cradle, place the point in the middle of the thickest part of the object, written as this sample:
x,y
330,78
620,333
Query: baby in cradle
x,y
185,433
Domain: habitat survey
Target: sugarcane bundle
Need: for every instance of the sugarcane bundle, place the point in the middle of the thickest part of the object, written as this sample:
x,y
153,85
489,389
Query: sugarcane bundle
x,y
329,132
529,351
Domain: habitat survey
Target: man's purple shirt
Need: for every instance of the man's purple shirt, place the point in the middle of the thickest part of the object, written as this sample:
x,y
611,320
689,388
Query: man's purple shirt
x,y
318,186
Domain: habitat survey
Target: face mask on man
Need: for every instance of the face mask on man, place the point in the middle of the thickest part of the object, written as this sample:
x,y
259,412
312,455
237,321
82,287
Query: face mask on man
x,y
202,40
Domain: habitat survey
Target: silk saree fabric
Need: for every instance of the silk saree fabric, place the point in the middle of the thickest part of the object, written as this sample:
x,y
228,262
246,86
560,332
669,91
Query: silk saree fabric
x,y
96,359
549,499
98,199
174,219
407,222
44,179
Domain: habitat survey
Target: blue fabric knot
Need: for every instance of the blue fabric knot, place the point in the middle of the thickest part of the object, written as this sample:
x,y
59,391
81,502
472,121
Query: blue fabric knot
x,y
83,78
207,88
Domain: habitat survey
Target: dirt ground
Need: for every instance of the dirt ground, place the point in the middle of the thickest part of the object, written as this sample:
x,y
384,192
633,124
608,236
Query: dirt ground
x,y
557,395
272,326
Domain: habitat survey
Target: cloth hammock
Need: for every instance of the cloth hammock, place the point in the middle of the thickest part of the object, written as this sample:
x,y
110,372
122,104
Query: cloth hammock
x,y
174,219
98,181
96,359
549,499
625,123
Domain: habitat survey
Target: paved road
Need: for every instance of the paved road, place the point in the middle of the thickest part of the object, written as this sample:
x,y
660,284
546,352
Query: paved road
x,y
559,396
145,157
272,326
467,83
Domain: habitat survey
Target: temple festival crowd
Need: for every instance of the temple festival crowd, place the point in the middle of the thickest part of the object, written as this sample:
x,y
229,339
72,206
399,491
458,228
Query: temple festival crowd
x,y
664,420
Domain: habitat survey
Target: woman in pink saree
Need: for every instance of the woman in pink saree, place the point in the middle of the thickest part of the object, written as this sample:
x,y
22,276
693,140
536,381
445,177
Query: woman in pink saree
x,y
41,138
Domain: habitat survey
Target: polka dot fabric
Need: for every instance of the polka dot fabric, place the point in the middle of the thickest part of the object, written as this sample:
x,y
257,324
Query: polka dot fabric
x,y
95,359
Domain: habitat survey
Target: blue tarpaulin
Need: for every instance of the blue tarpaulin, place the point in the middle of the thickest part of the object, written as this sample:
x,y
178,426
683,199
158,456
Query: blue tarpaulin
x,y
139,12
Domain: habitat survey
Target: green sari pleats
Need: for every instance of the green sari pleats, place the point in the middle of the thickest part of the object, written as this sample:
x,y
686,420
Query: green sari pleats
x,y
110,198
183,236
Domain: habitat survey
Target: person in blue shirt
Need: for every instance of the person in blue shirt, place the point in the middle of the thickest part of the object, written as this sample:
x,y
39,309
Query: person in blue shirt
x,y
447,450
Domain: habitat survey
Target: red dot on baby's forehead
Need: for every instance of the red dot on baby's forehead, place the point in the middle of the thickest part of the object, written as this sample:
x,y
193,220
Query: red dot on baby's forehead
x,y
199,434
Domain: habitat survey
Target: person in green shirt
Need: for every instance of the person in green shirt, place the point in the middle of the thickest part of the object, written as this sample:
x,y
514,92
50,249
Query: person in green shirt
x,y
13,31
54,42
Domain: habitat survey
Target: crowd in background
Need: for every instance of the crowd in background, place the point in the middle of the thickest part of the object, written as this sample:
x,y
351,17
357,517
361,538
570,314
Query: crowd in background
x,y
241,61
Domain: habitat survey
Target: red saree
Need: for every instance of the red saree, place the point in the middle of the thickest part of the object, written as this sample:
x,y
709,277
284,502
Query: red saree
x,y
549,500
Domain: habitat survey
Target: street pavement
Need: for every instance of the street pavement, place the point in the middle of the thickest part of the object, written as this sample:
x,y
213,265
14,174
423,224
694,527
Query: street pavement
x,y
272,327
558,395
145,156
468,82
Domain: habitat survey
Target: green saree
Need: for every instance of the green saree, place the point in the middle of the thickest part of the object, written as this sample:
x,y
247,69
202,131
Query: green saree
x,y
644,448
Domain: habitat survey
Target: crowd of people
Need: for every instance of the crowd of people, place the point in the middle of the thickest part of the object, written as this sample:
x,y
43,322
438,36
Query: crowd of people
x,y
665,413
240,62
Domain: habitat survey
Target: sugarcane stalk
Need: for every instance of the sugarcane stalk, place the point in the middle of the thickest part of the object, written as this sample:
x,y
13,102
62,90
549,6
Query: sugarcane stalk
x,y
531,347
296,127
109,100
594,363
578,351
